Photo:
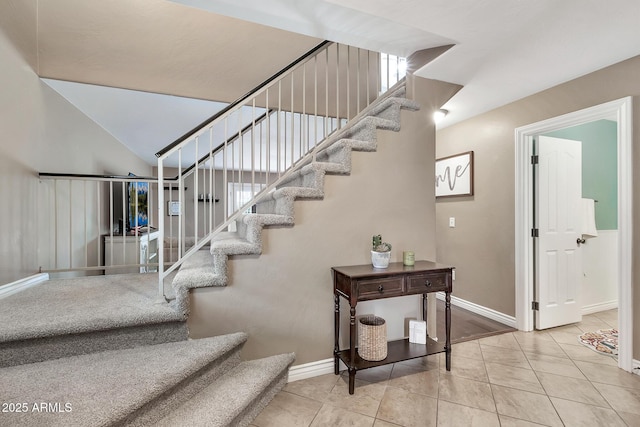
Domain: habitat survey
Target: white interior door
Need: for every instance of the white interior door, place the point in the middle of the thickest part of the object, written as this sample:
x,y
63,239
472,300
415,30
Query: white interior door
x,y
558,214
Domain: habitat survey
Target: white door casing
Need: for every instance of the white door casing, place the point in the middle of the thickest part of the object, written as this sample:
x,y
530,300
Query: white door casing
x,y
558,255
622,112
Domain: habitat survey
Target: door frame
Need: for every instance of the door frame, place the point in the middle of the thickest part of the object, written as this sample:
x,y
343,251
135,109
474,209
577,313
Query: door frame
x,y
621,111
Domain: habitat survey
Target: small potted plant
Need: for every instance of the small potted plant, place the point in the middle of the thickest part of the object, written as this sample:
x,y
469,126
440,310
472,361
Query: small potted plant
x,y
380,252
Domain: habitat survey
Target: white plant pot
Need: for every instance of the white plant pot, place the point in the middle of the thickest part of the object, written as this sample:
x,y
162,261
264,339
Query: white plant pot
x,y
380,259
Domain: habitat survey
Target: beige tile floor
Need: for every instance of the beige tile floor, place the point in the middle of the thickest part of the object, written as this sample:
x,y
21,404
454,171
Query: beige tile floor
x,y
515,379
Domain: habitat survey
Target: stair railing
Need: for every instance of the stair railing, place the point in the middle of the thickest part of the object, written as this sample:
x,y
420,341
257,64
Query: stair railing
x,y
97,224
255,143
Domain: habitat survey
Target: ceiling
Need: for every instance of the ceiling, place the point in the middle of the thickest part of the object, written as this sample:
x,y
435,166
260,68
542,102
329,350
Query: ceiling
x,y
504,49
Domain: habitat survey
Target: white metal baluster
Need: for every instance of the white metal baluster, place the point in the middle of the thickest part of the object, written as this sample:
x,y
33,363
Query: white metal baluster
x,y
358,84
225,179
161,239
125,221
368,72
253,147
137,232
171,235
279,136
292,137
55,222
315,106
86,231
233,177
303,118
268,139
338,85
212,189
70,225
183,207
348,83
240,154
326,93
111,219
99,230
388,74
196,192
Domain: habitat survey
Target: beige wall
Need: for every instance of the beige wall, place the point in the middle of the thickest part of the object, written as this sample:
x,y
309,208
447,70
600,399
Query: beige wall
x,y
482,244
284,298
39,132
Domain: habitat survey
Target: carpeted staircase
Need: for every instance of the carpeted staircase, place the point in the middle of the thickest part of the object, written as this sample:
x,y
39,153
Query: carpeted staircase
x,y
209,267
97,351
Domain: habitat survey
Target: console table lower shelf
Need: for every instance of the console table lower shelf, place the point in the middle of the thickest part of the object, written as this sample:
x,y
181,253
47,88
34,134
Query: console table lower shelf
x,y
397,351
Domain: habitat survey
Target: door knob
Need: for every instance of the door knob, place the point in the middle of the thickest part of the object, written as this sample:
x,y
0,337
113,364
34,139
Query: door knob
x,y
580,241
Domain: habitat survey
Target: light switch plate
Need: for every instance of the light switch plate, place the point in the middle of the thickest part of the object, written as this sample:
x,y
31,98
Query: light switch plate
x,y
452,222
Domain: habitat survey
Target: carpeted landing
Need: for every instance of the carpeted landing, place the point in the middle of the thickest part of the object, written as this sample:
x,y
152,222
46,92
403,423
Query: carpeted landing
x,y
67,317
107,301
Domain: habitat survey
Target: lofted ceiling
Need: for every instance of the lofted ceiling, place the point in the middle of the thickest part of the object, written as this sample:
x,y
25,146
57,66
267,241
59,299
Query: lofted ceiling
x,y
217,50
504,49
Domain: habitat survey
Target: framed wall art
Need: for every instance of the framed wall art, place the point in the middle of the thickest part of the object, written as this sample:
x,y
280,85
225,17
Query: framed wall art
x,y
173,208
454,175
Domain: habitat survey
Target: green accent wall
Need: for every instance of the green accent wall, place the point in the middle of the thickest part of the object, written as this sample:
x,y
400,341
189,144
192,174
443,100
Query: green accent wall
x,y
599,167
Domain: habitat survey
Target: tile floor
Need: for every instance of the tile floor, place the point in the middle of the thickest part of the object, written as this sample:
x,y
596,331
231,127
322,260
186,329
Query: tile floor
x,y
514,379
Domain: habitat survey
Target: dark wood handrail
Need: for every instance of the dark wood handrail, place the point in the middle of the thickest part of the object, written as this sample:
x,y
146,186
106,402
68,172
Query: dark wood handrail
x,y
243,98
82,175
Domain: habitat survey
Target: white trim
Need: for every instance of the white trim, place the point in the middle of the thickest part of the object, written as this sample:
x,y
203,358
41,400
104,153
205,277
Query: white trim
x,y
323,367
22,284
596,308
481,310
313,369
621,109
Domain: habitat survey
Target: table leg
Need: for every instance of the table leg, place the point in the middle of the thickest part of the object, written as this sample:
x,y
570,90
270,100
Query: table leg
x,y
336,348
352,380
424,311
352,349
448,329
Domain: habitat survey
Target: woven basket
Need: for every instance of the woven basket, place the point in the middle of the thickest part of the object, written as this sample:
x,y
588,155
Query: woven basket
x,y
372,338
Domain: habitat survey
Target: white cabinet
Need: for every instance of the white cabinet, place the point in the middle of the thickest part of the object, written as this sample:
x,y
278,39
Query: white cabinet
x,y
137,252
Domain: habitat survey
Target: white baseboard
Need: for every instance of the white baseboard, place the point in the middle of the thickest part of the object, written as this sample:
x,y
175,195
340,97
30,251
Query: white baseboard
x,y
313,369
482,311
22,284
603,306
322,367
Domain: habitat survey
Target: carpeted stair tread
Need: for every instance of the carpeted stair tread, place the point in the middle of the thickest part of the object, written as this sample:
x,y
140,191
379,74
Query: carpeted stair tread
x,y
237,246
198,271
107,388
229,400
87,304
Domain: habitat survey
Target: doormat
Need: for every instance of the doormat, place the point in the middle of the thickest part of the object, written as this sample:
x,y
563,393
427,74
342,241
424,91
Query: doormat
x,y
603,341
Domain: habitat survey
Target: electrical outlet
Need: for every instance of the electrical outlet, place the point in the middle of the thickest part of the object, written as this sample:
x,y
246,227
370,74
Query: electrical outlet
x,y
452,222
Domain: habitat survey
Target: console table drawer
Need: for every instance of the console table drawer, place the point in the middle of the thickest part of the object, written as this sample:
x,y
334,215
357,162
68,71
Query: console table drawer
x,y
380,288
427,283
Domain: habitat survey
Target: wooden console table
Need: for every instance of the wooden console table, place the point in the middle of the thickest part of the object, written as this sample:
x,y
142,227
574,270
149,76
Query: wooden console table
x,y
365,283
